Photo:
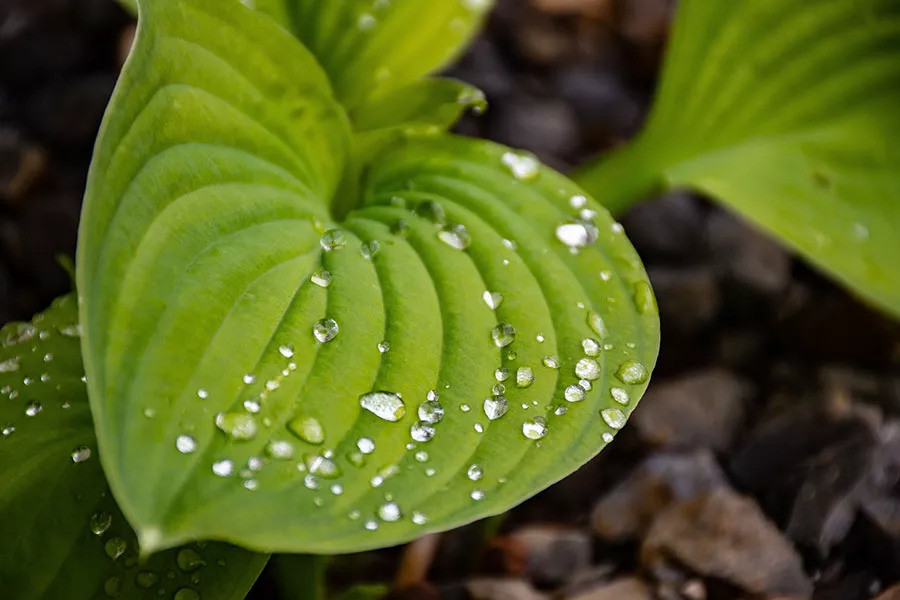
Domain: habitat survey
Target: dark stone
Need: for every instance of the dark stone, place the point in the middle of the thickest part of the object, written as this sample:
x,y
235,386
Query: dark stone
x,y
689,299
545,126
628,588
551,555
669,229
502,589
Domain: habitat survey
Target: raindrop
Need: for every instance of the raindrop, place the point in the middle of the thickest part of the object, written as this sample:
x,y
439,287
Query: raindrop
x,y
251,406
100,523
389,512
498,389
321,278
577,235
365,22
280,450
614,417
465,408
112,587
237,426
509,244
189,560
223,468
606,275
248,378
115,547
34,408
384,346
365,445
202,394
632,372
333,239
587,368
492,299
577,202
501,374
308,429
419,518
146,579
524,377
590,346
574,393
337,489
503,335
477,495
185,444
370,249
370,525
478,427
474,472
551,362
70,330
523,165
619,395
455,236
286,350
9,365
595,322
431,412
81,454
643,298
186,594
322,465
384,405
422,456
432,211
421,432
535,429
561,410
272,385
325,330
8,429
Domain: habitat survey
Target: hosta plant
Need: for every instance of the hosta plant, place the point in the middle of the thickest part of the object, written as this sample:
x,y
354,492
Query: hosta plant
x,y
310,320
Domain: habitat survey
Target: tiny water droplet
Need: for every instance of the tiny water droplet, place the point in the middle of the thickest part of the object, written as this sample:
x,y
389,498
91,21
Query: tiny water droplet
x,y
322,465
365,445
551,362
632,372
421,432
333,239
371,525
81,454
286,350
280,450
560,410
501,374
535,429
185,444
223,468
337,489
8,430
248,378
384,405
607,437
524,377
577,202
146,579
614,417
419,518
455,236
503,335
577,235
100,523
115,547
523,165
189,560
477,495
389,512
326,330
492,299
474,472
186,594
237,426
112,587
321,278
370,249
384,346
495,407
590,346
308,429
34,408
465,408
587,368
422,456
498,389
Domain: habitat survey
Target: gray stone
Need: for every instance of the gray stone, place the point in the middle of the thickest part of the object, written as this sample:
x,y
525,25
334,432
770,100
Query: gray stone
x,y
502,589
626,588
552,554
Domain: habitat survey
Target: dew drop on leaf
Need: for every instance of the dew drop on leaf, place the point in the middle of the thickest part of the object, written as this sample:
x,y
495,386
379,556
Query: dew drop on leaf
x,y
7,430
551,362
115,547
421,432
419,518
384,346
34,408
503,335
365,445
492,299
308,429
280,450
325,330
522,165
10,365
189,560
501,374
371,525
607,437
574,393
185,444
81,454
321,278
590,346
146,579
524,377
577,235
495,407
535,429
370,249
112,587
237,426
431,412
455,236
322,465
597,325
587,368
474,472
643,298
632,372
186,594
577,202
384,405
286,350
389,512
619,395
223,468
614,417
477,495
100,523
333,239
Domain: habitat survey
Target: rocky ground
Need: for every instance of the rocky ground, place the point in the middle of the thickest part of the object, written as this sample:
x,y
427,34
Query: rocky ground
x,y
764,462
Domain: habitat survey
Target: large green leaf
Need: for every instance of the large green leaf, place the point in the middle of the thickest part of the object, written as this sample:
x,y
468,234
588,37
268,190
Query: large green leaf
x,y
368,46
214,280
788,112
62,535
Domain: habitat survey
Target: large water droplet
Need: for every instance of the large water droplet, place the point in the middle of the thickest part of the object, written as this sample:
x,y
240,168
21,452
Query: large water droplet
x,y
535,429
455,236
384,405
587,368
326,330
474,472
189,560
9,365
100,523
495,407
421,432
574,393
492,299
308,429
431,412
503,335
524,377
614,417
370,249
365,445
185,444
577,235
619,395
237,426
81,454
523,165
590,346
333,239
321,278
115,547
632,372
223,468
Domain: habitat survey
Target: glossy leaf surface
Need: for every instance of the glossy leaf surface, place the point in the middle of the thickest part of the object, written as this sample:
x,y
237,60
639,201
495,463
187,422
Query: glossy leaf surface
x,y
63,536
786,112
349,384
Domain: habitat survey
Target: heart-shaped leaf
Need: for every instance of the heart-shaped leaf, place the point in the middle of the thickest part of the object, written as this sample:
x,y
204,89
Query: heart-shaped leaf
x,y
786,111
368,46
63,536
471,331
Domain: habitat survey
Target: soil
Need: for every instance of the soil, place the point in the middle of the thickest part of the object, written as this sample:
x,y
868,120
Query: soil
x,y
763,463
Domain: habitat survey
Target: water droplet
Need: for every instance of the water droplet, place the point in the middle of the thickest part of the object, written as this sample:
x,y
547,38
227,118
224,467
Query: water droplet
x,y
146,579
115,547
389,512
384,405
501,374
308,429
590,346
577,235
523,165
503,335
365,22
189,560
185,444
474,472
100,523
509,244
186,594
286,350
619,395
495,407
597,325
71,330
465,408
419,518
112,587
421,432
223,468
643,298
7,430
574,393
477,495
384,346
560,410
587,368
492,299
432,211
337,489
535,429
321,278
860,231
81,454
607,437
9,365
310,481
370,249
237,426
365,445
326,330
614,417
34,408
370,525
551,362
422,456
248,378
431,412
280,450
333,239
524,377
455,236
577,202
632,372
498,389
